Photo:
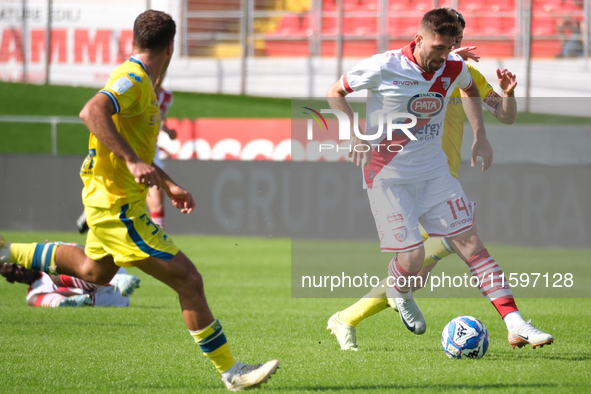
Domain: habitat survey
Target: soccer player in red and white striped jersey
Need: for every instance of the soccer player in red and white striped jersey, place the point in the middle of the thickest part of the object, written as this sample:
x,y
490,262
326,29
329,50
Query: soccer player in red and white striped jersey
x,y
411,182
66,291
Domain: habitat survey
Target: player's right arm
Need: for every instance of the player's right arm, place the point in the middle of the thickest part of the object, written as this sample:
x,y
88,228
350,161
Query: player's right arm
x,y
336,100
365,75
97,116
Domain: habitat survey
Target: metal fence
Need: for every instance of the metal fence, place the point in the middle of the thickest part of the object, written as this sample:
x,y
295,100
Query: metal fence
x,y
75,42
53,121
227,28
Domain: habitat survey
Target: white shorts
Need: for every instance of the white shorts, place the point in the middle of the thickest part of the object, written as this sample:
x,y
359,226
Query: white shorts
x,y
439,204
43,285
157,159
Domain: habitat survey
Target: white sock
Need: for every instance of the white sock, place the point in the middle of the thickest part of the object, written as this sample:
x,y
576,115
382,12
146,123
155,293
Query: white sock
x,y
513,320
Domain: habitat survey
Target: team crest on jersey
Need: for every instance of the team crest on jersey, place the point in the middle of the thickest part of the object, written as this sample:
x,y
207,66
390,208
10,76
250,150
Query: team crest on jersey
x,y
136,77
122,85
425,105
163,238
445,81
400,233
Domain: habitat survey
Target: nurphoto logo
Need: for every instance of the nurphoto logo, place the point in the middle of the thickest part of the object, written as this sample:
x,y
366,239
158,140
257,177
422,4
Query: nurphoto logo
x,y
392,121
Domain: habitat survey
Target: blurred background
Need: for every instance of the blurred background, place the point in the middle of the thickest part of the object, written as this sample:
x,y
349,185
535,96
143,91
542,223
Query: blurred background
x,y
289,48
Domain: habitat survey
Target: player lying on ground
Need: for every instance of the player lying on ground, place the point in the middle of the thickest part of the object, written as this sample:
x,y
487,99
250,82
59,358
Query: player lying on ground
x,y
124,121
427,59
56,291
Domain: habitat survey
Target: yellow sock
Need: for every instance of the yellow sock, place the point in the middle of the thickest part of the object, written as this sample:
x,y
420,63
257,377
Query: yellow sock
x,y
214,345
373,302
39,257
435,250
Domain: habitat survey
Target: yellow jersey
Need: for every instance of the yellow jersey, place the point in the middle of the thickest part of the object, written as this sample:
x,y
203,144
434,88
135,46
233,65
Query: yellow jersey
x,y
453,127
137,118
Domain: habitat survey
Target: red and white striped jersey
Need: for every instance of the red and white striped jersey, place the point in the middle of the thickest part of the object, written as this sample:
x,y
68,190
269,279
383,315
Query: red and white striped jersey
x,y
396,83
42,285
164,102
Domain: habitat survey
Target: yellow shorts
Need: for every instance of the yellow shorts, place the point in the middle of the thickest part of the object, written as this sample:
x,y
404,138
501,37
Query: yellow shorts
x,y
127,233
423,233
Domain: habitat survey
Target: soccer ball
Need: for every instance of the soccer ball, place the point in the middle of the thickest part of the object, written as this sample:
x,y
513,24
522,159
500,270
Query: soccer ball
x,y
464,337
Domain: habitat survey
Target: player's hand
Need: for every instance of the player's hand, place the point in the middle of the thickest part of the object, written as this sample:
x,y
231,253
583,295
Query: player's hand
x,y
181,199
360,158
172,134
143,173
482,148
506,80
467,54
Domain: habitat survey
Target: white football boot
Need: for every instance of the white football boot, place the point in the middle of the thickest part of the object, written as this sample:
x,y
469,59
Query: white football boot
x,y
527,334
77,300
344,333
245,376
410,314
126,283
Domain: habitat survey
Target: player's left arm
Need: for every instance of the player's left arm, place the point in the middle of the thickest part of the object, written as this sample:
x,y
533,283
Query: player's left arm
x,y
181,198
506,112
473,108
172,134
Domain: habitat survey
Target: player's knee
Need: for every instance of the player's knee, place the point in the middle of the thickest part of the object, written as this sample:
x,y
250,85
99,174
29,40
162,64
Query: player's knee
x,y
190,280
97,278
194,280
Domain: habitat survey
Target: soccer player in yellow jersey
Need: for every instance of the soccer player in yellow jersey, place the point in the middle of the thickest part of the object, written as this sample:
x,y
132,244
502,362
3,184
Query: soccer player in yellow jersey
x,y
342,324
124,121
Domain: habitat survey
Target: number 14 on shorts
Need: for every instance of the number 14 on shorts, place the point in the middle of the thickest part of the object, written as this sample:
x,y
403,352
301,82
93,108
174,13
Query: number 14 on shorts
x,y
461,206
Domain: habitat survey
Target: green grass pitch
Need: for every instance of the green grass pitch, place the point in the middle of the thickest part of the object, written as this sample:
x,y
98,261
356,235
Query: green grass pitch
x,y
146,349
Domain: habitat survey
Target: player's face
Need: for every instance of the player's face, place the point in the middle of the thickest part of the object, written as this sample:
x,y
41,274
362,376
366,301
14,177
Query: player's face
x,y
433,50
16,273
459,39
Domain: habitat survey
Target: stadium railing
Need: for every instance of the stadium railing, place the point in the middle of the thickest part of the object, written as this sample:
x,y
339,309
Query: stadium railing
x,y
52,120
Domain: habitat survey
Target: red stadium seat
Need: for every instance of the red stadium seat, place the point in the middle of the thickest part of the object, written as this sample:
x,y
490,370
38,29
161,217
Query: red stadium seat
x,y
369,5
491,23
472,13
422,7
362,25
289,25
329,5
404,17
395,18
445,3
330,25
508,12
543,17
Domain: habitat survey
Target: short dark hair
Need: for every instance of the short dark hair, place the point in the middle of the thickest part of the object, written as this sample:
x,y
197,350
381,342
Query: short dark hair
x,y
442,21
153,31
460,18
